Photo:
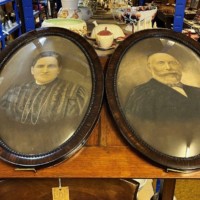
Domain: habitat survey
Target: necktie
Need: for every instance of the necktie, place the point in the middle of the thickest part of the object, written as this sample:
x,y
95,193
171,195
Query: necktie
x,y
179,88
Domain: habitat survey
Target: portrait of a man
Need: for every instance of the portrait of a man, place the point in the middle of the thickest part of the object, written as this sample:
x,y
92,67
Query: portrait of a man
x,y
44,95
164,96
159,94
47,98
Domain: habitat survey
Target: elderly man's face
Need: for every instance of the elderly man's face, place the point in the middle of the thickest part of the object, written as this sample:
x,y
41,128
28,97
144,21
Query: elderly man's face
x,y
165,68
45,70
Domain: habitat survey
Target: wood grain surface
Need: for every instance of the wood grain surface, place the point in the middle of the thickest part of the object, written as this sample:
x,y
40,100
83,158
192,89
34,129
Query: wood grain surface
x,y
106,155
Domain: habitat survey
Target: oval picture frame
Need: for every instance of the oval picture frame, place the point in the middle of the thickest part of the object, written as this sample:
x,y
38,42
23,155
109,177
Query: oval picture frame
x,y
51,91
158,120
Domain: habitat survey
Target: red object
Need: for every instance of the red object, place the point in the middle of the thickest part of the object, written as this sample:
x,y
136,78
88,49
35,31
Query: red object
x,y
104,32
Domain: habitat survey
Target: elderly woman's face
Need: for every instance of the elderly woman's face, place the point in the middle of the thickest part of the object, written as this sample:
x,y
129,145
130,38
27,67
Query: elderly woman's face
x,y
45,70
165,68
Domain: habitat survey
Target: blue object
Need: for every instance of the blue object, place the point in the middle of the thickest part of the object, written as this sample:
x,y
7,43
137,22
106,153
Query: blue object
x,y
2,37
179,15
141,2
158,185
29,20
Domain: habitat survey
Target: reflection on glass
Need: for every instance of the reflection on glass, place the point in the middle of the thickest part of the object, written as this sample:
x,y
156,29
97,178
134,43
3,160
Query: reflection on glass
x,y
45,103
160,104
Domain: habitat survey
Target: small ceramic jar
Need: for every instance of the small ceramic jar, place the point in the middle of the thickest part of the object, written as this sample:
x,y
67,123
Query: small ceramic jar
x,y
105,38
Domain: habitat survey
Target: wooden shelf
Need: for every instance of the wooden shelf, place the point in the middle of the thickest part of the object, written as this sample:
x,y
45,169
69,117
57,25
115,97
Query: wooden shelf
x,y
106,155
14,27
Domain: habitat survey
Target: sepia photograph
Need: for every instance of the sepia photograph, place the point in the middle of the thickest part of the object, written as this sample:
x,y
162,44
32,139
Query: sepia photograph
x,y
157,91
164,100
45,92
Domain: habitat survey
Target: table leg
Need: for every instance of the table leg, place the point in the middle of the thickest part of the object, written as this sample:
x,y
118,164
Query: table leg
x,y
167,189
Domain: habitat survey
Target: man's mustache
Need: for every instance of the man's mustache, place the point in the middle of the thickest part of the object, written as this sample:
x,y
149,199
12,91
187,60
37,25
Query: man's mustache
x,y
170,73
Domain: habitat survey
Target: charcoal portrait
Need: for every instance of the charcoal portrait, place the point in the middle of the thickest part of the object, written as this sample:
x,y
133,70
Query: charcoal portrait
x,y
159,92
45,89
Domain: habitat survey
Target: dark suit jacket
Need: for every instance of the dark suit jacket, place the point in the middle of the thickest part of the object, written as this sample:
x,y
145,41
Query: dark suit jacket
x,y
156,101
165,119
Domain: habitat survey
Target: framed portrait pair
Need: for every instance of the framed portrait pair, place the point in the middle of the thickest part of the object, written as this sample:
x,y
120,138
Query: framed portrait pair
x,y
52,89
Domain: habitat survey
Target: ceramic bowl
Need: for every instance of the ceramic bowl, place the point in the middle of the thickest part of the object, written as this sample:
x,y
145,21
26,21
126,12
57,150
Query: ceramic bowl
x,y
133,14
76,25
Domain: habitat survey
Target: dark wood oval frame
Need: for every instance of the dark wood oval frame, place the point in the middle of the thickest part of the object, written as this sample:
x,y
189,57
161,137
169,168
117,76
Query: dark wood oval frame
x,y
164,160
71,146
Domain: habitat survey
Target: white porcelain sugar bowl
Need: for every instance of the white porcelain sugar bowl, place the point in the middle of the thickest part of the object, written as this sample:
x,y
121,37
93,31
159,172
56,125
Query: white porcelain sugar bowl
x,y
104,38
